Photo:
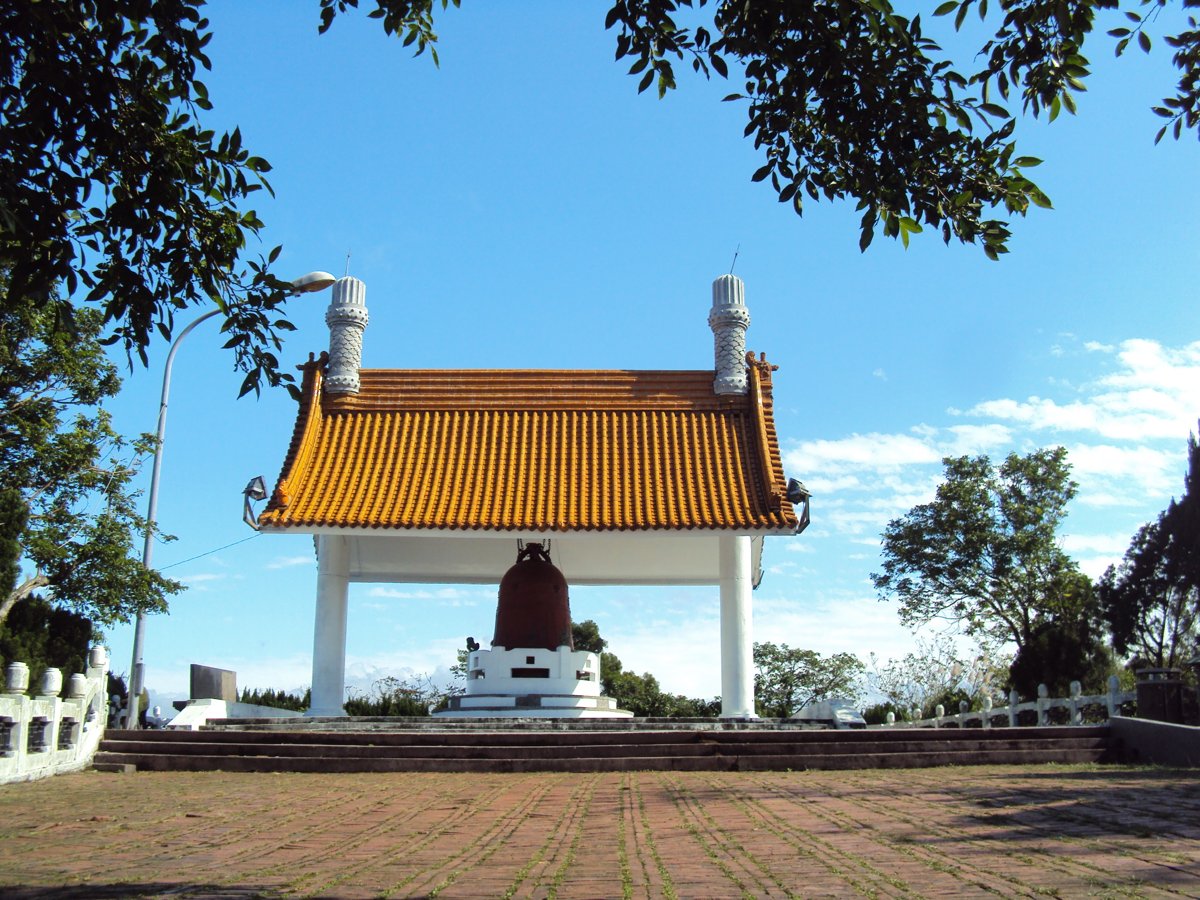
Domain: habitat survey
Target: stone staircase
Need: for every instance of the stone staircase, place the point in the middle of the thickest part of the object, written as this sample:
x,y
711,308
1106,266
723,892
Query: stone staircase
x,y
559,745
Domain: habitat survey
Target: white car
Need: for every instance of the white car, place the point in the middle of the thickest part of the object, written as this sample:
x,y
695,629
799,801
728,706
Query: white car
x,y
832,713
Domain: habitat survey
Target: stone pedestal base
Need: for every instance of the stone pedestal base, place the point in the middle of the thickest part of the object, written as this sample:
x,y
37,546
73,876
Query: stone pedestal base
x,y
564,706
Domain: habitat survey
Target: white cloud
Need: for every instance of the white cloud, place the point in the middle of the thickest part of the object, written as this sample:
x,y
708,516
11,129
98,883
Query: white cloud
x,y
871,452
1111,475
1110,544
971,440
444,596
200,581
838,622
1153,393
1124,427
287,562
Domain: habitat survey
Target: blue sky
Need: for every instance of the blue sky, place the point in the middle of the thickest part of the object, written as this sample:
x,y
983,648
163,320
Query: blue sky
x,y
523,206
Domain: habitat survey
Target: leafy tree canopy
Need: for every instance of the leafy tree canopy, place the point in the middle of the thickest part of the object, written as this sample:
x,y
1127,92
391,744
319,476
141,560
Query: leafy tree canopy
x,y
1151,600
1059,652
849,99
67,509
112,188
786,679
44,636
984,553
585,635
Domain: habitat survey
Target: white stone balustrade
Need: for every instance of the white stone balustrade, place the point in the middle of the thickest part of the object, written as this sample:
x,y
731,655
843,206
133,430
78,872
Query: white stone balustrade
x,y
47,734
1074,705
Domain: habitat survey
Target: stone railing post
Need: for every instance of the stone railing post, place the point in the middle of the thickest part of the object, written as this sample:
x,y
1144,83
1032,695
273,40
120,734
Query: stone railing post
x,y
891,718
987,711
938,711
1014,700
1042,697
1114,708
1074,705
98,657
963,707
77,687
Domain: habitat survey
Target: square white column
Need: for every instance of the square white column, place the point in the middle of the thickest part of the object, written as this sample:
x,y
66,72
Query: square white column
x,y
329,629
737,637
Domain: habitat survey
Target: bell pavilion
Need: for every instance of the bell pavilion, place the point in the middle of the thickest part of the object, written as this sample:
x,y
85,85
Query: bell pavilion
x,y
635,477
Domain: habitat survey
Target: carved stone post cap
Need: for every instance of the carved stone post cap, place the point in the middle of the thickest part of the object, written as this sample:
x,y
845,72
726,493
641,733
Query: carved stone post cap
x,y
77,686
728,290
98,657
348,291
51,683
16,678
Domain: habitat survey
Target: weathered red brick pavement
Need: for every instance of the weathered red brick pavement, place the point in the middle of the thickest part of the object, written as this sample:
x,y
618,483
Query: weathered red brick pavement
x,y
1040,830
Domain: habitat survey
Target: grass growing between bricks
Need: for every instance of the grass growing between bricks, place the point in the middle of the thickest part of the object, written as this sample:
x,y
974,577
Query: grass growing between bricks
x,y
996,830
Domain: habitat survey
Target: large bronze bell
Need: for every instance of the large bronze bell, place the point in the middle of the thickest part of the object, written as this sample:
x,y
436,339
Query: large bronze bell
x,y
534,609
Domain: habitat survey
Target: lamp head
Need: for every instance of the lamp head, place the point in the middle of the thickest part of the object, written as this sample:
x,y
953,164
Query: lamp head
x,y
313,281
256,489
796,491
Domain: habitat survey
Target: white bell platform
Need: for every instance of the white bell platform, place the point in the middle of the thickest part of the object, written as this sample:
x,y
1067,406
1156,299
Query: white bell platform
x,y
533,682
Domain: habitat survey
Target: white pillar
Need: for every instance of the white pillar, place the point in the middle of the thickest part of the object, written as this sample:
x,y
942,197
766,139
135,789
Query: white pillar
x,y
737,639
329,630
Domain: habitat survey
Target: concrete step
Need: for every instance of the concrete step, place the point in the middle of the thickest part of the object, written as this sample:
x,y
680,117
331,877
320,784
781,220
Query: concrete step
x,y
569,750
398,734
719,762
476,750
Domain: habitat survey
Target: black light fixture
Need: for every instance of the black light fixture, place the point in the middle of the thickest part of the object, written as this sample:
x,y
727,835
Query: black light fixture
x,y
255,489
798,495
796,491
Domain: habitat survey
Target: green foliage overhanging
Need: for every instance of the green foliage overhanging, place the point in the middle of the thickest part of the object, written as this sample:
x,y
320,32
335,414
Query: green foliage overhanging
x,y
112,188
852,99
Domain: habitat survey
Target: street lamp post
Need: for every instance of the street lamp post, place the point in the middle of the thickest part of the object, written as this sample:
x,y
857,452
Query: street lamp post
x,y
313,281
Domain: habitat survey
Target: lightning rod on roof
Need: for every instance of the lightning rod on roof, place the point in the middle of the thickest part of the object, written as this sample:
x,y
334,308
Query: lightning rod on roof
x,y
347,262
735,256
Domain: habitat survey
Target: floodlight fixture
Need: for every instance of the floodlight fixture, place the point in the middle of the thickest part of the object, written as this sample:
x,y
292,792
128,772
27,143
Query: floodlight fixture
x,y
313,281
255,489
798,495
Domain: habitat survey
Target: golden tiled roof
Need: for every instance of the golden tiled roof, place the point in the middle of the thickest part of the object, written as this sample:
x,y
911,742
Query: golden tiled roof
x,y
533,451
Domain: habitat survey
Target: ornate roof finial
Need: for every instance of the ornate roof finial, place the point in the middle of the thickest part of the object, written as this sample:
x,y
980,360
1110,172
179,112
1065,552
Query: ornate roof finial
x,y
729,320
347,319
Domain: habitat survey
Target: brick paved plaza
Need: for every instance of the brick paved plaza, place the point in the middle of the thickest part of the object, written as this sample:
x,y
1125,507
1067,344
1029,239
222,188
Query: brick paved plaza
x,y
951,832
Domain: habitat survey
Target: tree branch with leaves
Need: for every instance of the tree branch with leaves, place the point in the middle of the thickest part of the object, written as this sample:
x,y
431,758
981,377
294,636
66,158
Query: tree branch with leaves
x,y
984,552
68,510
